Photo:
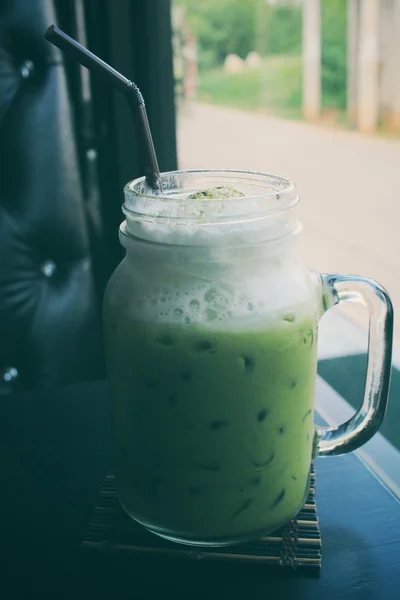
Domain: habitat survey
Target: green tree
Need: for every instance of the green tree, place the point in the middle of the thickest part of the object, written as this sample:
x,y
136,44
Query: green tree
x,y
234,26
238,26
334,51
221,27
285,30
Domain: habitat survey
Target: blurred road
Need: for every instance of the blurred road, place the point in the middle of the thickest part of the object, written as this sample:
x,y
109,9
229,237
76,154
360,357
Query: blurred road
x,y
348,183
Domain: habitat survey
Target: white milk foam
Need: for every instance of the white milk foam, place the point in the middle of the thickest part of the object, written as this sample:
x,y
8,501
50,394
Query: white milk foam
x,y
233,294
279,296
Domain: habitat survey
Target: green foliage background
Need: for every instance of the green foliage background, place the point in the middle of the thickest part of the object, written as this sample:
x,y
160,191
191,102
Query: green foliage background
x,y
224,27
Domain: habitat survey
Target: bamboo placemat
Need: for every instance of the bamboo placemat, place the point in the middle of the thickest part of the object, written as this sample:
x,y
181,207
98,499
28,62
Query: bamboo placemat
x,y
297,545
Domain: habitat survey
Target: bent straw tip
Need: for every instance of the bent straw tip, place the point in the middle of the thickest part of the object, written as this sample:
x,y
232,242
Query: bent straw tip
x,y
49,32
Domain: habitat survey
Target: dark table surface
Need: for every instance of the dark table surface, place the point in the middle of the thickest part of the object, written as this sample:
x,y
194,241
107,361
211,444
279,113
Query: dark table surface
x,y
55,449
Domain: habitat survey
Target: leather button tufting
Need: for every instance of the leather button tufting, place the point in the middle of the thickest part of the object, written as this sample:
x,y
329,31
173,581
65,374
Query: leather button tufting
x,y
27,69
48,268
9,374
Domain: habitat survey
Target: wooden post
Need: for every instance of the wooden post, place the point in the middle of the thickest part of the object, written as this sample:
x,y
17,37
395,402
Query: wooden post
x,y
368,66
190,55
311,59
396,65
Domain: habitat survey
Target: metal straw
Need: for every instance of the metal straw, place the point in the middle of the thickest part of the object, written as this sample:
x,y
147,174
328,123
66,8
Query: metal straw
x,y
121,83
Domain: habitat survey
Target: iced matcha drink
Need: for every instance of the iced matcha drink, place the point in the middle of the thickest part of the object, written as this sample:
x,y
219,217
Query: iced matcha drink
x,y
211,344
214,422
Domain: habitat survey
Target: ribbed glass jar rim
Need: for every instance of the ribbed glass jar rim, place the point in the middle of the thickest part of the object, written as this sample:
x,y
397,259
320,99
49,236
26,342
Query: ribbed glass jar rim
x,y
261,208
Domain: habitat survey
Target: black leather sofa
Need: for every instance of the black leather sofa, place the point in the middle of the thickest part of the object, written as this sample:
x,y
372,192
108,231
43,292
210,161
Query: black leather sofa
x,y
63,162
50,331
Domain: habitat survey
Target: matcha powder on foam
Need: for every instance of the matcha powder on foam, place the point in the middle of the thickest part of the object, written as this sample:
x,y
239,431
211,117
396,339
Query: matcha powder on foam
x,y
216,193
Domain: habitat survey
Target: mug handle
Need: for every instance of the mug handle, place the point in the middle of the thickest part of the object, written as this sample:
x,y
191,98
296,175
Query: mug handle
x,y
367,420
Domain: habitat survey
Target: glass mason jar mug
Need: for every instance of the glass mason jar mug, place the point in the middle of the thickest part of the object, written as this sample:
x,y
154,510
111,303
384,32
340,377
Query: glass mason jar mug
x,y
211,342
